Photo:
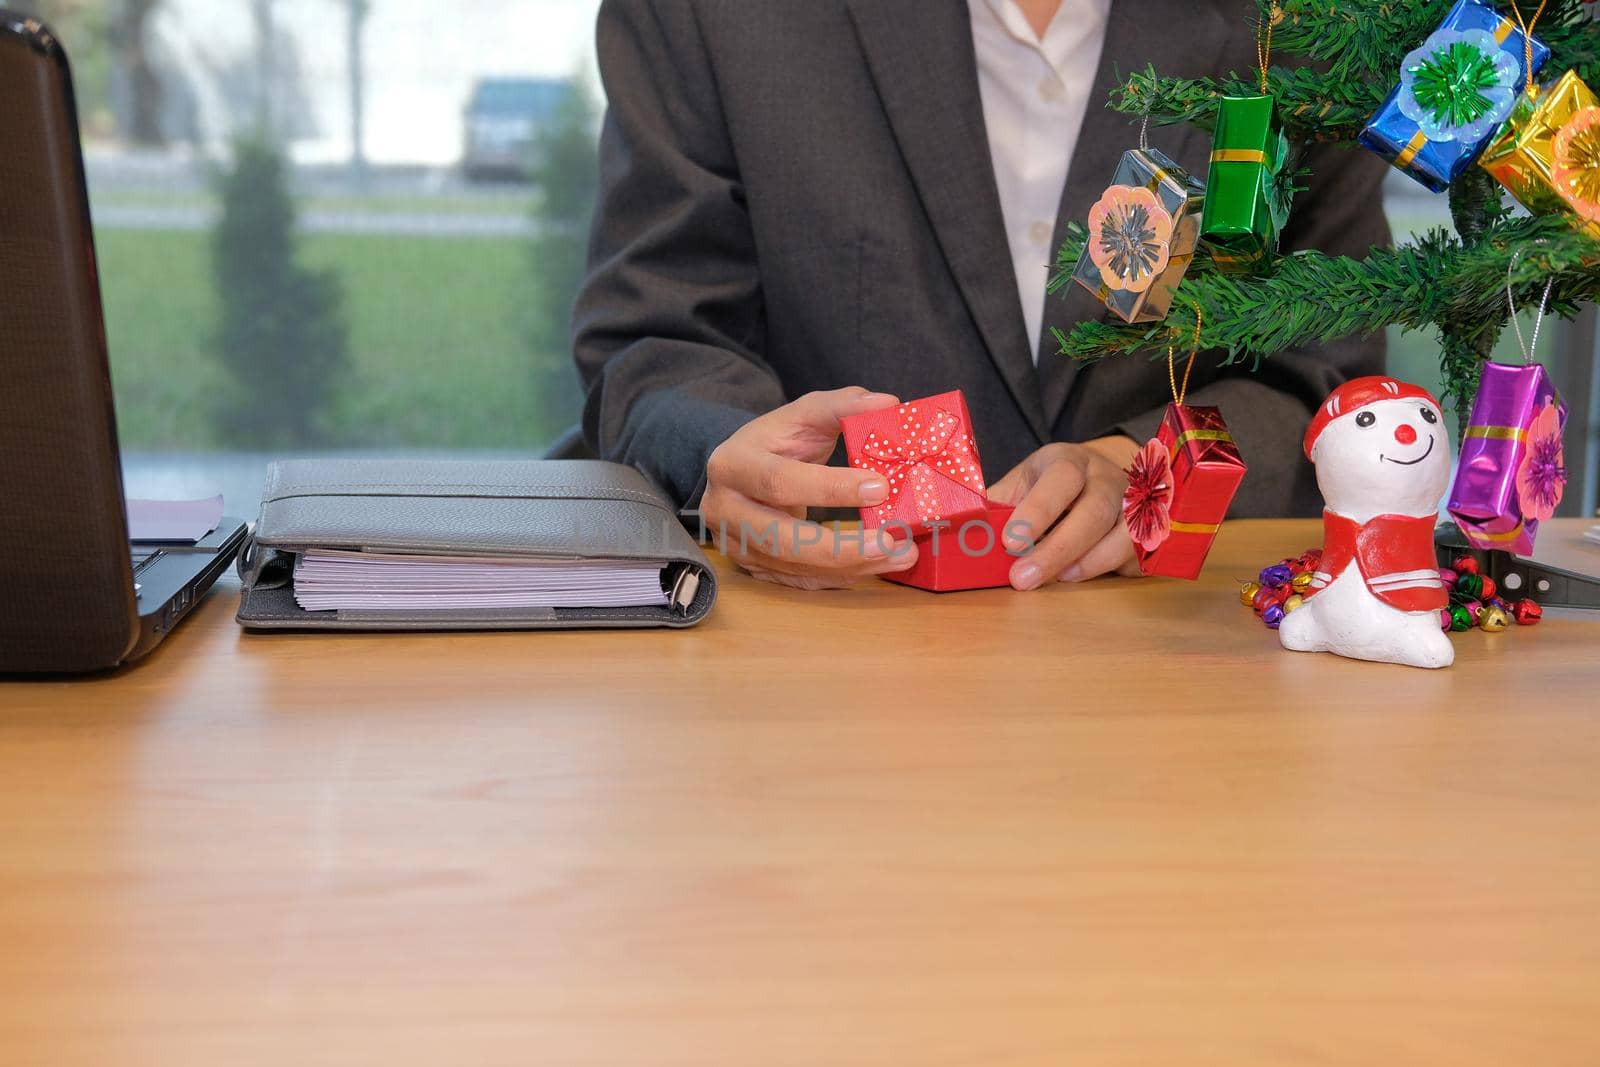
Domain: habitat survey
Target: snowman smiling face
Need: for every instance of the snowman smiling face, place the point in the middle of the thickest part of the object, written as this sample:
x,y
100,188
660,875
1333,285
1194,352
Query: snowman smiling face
x,y
1389,457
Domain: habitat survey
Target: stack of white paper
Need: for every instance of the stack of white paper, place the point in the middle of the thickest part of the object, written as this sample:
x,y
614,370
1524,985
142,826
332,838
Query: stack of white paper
x,y
327,580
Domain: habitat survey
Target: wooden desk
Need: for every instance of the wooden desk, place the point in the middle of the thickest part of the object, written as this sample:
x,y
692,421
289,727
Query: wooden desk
x,y
1112,824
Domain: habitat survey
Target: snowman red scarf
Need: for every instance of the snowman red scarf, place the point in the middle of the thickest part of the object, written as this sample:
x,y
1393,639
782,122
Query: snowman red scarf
x,y
1395,554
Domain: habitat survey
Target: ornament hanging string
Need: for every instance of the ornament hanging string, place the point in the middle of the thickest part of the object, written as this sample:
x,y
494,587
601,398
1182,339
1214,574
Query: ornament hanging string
x,y
1264,43
1194,350
1528,350
1526,26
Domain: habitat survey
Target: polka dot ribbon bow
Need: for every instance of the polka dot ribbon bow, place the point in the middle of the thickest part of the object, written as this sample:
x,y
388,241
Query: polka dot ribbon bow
x,y
933,445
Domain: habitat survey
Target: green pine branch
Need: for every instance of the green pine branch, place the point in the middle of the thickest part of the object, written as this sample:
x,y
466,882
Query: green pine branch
x,y
1452,282
1360,40
1314,106
1365,40
1311,298
1357,46
1574,45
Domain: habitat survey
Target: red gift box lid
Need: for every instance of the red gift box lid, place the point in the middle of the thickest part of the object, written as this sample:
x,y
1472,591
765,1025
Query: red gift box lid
x,y
927,451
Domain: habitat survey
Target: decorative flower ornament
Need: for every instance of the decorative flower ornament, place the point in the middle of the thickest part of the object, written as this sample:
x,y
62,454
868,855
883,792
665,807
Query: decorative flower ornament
x,y
1460,85
1542,475
1130,238
1576,171
1147,504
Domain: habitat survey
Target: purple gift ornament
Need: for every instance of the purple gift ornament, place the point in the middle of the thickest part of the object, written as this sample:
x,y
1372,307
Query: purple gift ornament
x,y
1505,430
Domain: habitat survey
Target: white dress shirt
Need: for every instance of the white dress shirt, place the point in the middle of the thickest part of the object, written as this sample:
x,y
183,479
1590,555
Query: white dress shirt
x,y
1035,95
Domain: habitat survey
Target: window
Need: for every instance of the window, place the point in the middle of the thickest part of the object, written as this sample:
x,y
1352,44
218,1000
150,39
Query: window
x,y
334,225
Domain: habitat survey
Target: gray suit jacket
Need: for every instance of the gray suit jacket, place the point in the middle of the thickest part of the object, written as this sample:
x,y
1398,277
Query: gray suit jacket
x,y
798,195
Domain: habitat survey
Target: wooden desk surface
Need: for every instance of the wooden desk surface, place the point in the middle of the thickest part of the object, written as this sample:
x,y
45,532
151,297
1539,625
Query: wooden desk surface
x,y
1111,824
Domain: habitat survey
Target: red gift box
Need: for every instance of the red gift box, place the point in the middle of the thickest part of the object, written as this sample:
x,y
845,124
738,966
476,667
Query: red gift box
x,y
965,555
926,450
1206,472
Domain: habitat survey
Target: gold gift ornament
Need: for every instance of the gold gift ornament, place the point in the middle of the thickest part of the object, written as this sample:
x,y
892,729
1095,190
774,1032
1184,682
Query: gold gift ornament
x,y
1523,157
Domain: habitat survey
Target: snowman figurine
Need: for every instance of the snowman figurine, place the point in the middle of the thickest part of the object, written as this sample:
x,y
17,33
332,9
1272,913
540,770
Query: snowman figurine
x,y
1383,462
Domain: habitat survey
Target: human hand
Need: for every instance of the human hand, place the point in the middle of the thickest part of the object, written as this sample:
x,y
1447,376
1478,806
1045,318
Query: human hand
x,y
760,481
1082,487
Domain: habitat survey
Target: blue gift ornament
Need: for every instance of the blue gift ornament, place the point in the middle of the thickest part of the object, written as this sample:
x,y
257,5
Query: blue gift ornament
x,y
1455,91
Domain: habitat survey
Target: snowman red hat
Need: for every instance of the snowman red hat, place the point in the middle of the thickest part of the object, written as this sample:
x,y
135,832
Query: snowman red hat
x,y
1358,393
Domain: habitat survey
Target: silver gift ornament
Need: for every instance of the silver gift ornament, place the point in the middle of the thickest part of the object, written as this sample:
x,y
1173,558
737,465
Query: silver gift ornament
x,y
1142,236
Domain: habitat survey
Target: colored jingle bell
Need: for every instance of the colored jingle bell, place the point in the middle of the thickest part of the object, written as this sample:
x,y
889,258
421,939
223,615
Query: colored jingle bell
x,y
1448,577
1493,620
1261,600
1527,612
1302,581
1247,593
1474,609
1489,589
1465,565
1293,603
1273,616
1276,575
1460,618
1444,619
1468,587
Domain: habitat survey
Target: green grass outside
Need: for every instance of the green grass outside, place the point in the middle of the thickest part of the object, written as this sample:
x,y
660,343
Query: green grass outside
x,y
438,339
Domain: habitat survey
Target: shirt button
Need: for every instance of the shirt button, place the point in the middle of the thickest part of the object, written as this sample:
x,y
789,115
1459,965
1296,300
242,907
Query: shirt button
x,y
1039,233
1051,90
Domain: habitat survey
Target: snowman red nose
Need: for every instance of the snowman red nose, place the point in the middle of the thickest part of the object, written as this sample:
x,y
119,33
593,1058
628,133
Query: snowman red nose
x,y
1405,434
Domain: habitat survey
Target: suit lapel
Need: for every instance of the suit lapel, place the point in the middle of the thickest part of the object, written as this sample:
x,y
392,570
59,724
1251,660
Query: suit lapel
x,y
1177,37
921,58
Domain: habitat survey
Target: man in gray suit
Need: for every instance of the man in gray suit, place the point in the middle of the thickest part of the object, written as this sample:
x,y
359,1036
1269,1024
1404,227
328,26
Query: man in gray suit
x,y
812,207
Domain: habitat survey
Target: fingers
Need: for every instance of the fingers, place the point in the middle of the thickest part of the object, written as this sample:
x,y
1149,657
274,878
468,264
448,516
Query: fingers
x,y
1019,479
1008,490
823,410
1113,552
762,537
1094,514
1044,502
782,482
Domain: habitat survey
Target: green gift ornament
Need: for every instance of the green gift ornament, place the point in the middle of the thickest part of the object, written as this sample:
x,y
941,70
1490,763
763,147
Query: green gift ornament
x,y
1247,194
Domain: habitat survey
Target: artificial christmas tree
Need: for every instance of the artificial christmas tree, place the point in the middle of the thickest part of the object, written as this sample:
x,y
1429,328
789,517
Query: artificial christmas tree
x,y
1354,52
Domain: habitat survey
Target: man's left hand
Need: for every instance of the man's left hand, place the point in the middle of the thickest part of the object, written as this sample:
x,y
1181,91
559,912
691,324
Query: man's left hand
x,y
1070,499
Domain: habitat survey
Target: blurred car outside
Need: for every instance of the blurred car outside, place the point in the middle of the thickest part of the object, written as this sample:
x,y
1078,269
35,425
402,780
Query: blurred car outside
x,y
503,119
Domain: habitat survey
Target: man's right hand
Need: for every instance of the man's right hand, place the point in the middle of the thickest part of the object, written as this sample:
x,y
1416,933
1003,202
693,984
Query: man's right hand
x,y
760,481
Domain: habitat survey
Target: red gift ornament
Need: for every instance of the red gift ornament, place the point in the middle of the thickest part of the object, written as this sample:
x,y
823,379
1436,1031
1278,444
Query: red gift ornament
x,y
1182,481
1206,470
926,452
